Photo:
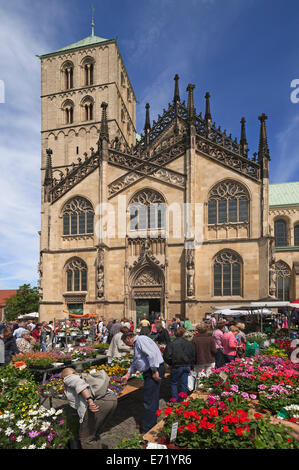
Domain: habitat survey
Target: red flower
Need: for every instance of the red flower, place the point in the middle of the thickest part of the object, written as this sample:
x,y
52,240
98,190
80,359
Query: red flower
x,y
183,395
225,429
293,420
173,400
191,427
158,412
257,415
168,411
214,411
181,428
204,411
239,431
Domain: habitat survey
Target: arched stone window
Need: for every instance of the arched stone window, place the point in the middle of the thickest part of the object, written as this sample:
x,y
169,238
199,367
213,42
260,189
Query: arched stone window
x,y
67,70
283,274
227,274
88,67
76,275
280,232
87,108
296,235
68,112
228,203
147,211
78,217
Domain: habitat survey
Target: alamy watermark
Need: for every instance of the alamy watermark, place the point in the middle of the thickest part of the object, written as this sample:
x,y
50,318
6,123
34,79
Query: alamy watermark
x,y
176,221
2,92
295,93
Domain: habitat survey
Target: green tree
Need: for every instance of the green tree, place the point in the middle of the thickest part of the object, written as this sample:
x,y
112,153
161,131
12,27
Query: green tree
x,y
24,301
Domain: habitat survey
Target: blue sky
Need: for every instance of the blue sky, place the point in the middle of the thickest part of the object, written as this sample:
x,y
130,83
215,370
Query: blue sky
x,y
244,52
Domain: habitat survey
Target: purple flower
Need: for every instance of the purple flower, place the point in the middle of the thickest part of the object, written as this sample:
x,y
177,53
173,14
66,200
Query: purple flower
x,y
50,437
62,422
12,437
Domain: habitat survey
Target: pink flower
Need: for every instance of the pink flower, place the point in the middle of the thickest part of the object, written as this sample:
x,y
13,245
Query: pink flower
x,y
12,437
62,422
252,396
33,434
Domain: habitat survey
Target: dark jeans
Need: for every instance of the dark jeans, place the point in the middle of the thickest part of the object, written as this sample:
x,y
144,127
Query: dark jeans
x,y
179,375
219,359
151,399
228,358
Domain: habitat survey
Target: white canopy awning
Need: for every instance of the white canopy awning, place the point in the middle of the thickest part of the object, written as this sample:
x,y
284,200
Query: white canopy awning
x,y
235,312
29,315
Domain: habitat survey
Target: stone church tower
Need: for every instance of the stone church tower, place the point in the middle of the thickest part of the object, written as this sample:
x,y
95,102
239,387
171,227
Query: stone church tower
x,y
174,222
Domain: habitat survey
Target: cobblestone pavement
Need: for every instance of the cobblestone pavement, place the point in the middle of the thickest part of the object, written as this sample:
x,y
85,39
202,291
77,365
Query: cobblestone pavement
x,y
128,414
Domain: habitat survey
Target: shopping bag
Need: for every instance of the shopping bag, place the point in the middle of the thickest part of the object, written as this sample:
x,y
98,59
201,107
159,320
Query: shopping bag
x,y
191,382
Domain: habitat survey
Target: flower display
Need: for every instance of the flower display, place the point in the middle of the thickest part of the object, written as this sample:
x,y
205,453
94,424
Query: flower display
x,y
38,428
224,425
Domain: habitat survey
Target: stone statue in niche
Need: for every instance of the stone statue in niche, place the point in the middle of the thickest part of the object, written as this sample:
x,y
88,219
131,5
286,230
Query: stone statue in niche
x,y
100,274
190,272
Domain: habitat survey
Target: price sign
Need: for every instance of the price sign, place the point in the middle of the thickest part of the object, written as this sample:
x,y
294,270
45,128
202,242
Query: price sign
x,y
223,375
174,431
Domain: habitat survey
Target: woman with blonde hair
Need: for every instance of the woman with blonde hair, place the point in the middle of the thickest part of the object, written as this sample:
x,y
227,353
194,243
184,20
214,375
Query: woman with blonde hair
x,y
241,338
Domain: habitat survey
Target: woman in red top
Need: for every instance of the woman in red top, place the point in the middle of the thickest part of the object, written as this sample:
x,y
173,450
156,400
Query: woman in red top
x,y
36,332
230,344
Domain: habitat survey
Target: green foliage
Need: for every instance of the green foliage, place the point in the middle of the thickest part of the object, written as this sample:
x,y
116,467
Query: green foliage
x,y
18,390
25,301
134,442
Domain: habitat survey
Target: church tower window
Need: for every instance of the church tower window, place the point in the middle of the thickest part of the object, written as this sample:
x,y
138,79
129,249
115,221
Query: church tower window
x,y
67,75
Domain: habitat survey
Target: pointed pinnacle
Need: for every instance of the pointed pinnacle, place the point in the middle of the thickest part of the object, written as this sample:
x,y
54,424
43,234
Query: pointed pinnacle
x,y
176,96
208,116
147,125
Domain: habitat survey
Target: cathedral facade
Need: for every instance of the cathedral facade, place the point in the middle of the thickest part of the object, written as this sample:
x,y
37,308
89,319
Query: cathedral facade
x,y
175,220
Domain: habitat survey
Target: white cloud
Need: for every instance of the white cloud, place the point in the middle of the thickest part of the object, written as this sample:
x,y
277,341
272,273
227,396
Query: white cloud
x,y
287,153
22,37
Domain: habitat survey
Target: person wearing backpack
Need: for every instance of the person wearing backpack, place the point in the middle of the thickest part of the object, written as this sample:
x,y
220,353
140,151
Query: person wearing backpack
x,y
93,411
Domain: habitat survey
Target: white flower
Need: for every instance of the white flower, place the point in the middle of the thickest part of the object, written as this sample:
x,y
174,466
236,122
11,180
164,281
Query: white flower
x,y
45,426
32,446
19,438
8,431
58,412
43,446
20,424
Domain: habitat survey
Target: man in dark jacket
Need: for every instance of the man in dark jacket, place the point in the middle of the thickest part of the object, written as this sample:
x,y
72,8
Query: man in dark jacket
x,y
162,335
180,355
